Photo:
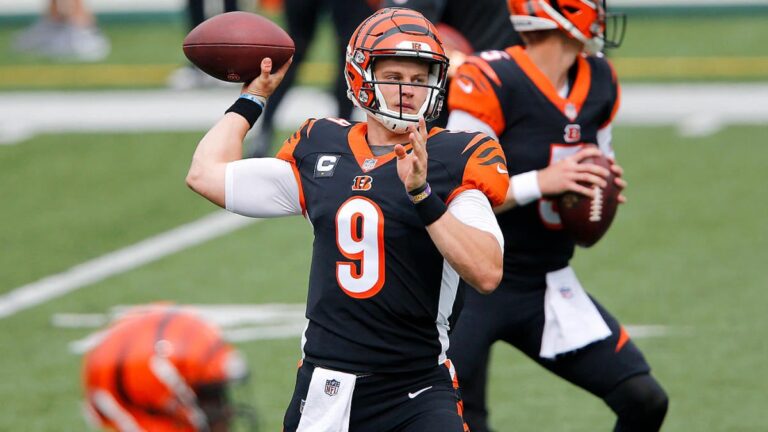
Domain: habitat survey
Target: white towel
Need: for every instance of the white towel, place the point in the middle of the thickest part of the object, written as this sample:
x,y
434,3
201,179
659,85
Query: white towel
x,y
571,320
328,403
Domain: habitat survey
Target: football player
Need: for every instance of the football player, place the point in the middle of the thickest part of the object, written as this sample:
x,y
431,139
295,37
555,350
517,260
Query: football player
x,y
163,369
544,102
479,21
402,220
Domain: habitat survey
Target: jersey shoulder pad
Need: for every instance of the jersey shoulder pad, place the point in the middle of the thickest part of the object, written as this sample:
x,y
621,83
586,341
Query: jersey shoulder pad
x,y
288,150
474,90
485,168
604,73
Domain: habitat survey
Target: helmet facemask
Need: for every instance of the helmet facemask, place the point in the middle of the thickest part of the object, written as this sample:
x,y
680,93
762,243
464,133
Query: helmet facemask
x,y
405,34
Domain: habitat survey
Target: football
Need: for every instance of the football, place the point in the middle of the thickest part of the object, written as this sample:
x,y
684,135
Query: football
x,y
587,219
230,46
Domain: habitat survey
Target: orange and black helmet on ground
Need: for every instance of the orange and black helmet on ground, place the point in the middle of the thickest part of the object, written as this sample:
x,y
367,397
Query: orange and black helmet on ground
x,y
583,20
161,369
400,33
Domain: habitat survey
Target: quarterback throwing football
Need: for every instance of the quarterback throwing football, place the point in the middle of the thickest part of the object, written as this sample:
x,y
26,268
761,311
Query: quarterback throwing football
x,y
402,219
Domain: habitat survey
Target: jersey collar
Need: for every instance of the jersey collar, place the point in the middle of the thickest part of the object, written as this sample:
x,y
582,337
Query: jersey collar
x,y
570,106
362,151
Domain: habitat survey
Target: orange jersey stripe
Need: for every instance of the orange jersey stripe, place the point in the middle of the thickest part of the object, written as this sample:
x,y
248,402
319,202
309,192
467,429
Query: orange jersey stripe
x,y
286,154
623,339
578,93
617,102
486,171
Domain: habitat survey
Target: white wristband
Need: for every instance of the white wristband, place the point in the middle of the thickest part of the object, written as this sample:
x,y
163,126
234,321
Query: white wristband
x,y
525,187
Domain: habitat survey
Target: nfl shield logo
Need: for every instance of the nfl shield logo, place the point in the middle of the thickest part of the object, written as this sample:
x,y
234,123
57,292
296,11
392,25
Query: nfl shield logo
x,y
332,387
570,111
369,164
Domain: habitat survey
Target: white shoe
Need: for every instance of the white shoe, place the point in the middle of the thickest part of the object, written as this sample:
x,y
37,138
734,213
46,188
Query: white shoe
x,y
36,36
77,43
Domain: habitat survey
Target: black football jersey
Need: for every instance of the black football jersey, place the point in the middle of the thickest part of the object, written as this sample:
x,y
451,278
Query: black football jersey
x,y
381,296
535,127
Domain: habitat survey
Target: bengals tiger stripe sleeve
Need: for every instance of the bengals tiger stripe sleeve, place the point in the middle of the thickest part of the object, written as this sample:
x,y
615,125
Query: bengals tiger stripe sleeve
x,y
485,169
472,91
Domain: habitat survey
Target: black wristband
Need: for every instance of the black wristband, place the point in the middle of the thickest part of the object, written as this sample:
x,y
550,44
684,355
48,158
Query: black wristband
x,y
430,209
247,108
414,194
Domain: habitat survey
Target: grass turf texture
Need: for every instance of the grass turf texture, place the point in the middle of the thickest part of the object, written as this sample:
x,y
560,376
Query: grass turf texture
x,y
685,252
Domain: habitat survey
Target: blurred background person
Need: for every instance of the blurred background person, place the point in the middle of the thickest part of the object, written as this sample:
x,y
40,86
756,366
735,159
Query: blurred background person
x,y
464,26
161,369
188,77
547,102
302,17
66,31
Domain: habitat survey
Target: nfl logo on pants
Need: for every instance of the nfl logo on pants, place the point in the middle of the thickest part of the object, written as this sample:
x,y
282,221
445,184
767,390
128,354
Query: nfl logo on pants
x,y
331,387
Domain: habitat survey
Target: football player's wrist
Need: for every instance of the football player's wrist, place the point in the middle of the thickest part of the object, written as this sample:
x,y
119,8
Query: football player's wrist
x,y
249,107
428,205
419,193
525,187
255,98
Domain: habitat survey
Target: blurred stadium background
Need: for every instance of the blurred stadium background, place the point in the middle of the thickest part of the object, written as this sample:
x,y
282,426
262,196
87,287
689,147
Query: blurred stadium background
x,y
96,217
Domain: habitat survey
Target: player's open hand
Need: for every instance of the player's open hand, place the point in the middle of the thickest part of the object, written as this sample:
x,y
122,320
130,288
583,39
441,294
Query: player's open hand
x,y
266,83
565,174
412,167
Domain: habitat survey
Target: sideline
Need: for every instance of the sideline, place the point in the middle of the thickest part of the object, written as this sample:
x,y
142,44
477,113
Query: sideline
x,y
697,109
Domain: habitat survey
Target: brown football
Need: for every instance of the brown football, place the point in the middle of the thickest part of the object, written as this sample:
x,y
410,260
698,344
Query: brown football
x,y
230,46
587,219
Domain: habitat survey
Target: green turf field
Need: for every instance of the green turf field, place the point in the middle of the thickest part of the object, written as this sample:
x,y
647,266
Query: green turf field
x,y
686,252
702,48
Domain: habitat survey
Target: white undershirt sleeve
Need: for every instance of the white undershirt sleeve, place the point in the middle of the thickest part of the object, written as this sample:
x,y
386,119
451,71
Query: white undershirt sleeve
x,y
473,208
463,121
261,187
604,138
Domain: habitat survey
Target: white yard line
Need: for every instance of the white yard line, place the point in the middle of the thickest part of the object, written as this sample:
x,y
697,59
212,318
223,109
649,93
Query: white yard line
x,y
252,322
129,258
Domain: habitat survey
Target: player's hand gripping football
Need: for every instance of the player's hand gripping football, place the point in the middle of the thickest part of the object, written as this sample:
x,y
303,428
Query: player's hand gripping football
x,y
566,174
266,83
412,167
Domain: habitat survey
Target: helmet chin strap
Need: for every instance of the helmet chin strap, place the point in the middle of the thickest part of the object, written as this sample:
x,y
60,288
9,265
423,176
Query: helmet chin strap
x,y
395,125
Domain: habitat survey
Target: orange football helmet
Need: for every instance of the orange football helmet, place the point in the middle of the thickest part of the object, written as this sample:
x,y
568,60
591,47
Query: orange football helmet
x,y
161,369
395,32
583,20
